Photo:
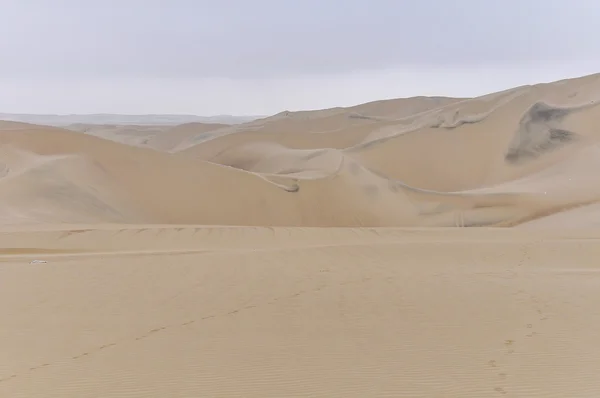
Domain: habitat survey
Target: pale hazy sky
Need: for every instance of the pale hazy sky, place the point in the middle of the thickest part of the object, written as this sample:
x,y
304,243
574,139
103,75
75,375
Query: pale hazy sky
x,y
264,56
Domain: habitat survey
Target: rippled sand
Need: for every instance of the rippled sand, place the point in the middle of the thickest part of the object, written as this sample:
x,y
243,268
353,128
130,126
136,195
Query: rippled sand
x,y
148,311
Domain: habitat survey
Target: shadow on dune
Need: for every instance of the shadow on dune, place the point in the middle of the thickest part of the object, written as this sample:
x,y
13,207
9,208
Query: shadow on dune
x,y
540,132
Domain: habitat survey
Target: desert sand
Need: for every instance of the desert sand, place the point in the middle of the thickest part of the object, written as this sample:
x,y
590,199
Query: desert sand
x,y
420,247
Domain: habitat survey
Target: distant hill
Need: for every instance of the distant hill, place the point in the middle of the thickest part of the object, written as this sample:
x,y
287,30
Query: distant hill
x,y
113,119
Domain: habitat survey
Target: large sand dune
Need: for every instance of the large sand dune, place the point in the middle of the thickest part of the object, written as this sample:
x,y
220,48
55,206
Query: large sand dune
x,y
501,159
188,261
174,136
137,135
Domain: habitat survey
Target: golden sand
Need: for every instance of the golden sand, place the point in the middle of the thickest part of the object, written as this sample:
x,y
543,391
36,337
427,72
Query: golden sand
x,y
426,247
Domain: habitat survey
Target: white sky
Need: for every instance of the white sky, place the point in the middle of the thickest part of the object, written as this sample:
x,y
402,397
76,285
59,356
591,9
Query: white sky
x,y
264,56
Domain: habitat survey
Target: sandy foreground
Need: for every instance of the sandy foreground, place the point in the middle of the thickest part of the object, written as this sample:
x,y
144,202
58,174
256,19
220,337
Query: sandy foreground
x,y
420,247
181,311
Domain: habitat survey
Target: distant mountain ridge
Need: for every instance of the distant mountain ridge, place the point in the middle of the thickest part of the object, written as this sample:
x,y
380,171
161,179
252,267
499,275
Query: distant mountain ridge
x,y
115,119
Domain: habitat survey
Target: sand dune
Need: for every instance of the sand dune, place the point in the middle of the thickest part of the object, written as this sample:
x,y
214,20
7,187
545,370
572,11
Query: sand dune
x,y
191,261
165,188
174,136
494,160
56,188
137,135
152,182
330,128
135,185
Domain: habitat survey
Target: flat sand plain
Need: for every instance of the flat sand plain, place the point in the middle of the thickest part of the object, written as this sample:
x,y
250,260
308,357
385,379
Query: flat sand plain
x,y
179,311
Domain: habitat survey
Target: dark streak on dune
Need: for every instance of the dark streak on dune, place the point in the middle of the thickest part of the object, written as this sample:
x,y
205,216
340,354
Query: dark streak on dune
x,y
542,112
315,154
363,117
556,139
394,186
539,132
458,121
293,188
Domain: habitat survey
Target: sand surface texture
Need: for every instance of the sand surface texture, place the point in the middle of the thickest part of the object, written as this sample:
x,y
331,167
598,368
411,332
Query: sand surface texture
x,y
460,258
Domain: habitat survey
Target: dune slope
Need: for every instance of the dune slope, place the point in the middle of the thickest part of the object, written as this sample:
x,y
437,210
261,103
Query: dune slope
x,y
499,160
